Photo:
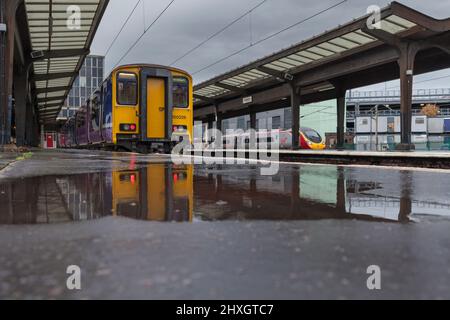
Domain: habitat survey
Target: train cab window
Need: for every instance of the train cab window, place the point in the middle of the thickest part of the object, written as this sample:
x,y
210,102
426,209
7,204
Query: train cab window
x,y
127,89
180,91
313,136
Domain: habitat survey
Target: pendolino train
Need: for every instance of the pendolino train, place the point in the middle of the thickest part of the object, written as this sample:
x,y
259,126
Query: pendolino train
x,y
309,139
137,108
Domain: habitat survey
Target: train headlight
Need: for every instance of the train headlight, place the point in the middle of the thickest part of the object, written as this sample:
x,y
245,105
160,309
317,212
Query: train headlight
x,y
128,127
179,129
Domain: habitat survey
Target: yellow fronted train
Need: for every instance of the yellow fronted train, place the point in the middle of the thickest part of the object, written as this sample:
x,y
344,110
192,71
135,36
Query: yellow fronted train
x,y
137,108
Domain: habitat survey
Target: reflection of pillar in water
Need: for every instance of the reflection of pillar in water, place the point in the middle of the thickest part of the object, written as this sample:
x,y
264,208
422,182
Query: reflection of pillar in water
x,y
253,187
295,191
170,214
405,200
341,191
218,187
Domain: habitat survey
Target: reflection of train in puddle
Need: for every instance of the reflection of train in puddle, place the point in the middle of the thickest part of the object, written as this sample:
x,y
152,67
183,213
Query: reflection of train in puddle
x,y
157,192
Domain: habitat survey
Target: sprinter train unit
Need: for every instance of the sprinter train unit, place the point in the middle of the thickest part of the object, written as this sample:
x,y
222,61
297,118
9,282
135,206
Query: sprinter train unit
x,y
137,108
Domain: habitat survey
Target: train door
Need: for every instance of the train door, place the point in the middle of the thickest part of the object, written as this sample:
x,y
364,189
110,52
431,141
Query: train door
x,y
156,192
156,108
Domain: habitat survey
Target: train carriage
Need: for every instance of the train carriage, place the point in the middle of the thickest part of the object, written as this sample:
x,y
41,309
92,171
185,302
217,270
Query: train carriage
x,y
309,139
137,108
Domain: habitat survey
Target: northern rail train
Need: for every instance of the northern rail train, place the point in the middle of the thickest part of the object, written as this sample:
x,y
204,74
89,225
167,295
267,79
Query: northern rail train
x,y
137,108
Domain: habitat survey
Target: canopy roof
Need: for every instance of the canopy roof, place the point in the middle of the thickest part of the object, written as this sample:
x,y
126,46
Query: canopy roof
x,y
344,41
59,47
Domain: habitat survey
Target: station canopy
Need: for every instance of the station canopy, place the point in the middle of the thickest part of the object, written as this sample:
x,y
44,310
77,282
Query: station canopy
x,y
396,19
60,43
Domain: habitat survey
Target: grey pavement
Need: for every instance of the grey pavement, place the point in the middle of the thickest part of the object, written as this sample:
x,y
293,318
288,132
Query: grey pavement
x,y
234,248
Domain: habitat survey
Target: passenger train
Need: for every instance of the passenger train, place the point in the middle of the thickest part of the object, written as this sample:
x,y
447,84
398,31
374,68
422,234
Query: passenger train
x,y
137,108
310,139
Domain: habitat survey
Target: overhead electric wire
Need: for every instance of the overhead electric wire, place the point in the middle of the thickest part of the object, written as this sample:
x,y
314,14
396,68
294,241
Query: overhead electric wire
x,y
218,32
145,31
422,81
123,26
269,37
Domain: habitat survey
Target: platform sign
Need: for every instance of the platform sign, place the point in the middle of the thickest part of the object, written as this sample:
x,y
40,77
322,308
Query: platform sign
x,y
247,100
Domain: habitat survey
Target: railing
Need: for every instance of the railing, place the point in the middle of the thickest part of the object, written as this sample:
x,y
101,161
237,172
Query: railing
x,y
351,115
394,95
421,147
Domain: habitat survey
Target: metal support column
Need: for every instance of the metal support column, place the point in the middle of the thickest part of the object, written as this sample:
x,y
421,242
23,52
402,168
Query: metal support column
x,y
218,118
295,105
3,84
406,63
253,129
20,94
253,125
341,120
7,17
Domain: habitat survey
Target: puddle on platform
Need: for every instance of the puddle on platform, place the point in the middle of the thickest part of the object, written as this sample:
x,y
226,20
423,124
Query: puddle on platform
x,y
165,192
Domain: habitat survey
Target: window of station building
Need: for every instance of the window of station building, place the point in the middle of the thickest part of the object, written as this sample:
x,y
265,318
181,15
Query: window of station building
x,y
276,122
127,89
225,125
180,92
82,82
241,123
390,124
287,118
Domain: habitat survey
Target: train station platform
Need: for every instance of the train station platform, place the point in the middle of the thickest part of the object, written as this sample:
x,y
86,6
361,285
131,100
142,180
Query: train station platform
x,y
431,160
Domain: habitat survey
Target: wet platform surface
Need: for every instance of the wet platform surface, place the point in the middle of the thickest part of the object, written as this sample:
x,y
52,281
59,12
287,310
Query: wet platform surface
x,y
143,227
420,159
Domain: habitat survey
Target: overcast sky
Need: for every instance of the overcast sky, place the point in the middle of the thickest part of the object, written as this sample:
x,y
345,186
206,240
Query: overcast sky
x,y
188,22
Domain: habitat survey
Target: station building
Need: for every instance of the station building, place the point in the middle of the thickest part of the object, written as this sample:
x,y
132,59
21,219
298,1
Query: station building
x,y
90,78
375,119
